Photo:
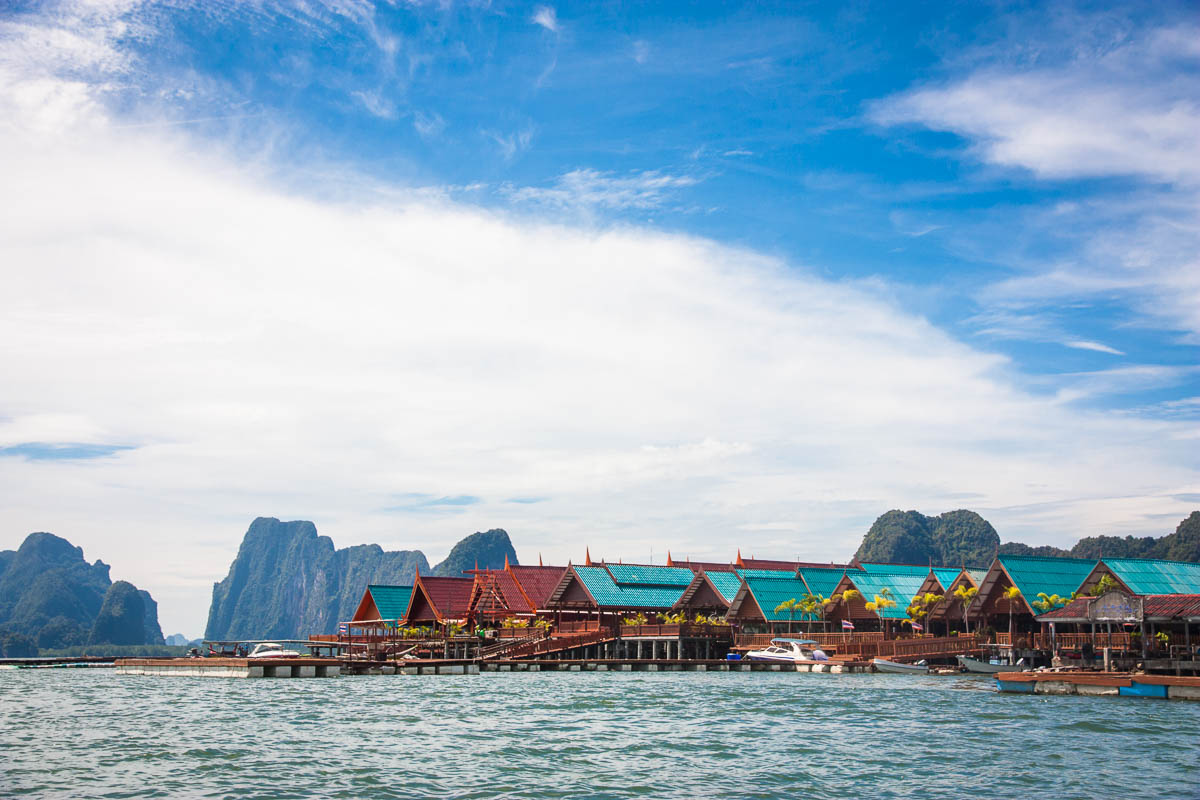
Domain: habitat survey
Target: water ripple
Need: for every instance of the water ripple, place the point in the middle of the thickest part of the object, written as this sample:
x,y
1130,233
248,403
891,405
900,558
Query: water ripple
x,y
94,734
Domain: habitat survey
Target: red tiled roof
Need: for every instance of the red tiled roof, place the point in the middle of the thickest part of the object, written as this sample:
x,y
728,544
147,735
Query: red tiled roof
x,y
1155,606
768,563
1172,605
450,596
705,566
537,582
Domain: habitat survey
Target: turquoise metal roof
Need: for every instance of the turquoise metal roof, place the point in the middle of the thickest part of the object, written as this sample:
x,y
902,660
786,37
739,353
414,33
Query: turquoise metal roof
x,y
1146,576
904,588
766,573
946,575
392,601
896,569
769,592
821,580
1034,574
650,575
607,593
977,575
726,584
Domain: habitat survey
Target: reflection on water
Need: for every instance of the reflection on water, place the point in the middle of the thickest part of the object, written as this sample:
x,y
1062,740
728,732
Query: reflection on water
x,y
92,733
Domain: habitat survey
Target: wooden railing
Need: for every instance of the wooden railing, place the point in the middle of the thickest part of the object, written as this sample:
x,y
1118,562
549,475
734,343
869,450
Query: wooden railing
x,y
578,626
557,643
675,629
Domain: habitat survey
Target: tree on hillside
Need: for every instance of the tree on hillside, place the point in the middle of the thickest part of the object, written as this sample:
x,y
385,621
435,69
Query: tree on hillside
x,y
122,617
898,537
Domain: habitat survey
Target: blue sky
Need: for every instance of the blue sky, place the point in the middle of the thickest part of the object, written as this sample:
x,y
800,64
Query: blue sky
x,y
640,277
763,126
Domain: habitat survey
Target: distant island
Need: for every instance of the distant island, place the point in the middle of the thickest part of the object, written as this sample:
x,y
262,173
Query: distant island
x,y
963,538
52,598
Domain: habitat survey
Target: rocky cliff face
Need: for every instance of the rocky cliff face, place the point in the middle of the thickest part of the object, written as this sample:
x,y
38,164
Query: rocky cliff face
x,y
51,595
288,582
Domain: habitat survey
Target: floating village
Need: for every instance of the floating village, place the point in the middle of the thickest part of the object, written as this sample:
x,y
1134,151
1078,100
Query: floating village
x,y
1113,626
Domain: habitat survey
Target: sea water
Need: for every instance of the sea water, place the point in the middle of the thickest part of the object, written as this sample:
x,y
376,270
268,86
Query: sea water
x,y
93,733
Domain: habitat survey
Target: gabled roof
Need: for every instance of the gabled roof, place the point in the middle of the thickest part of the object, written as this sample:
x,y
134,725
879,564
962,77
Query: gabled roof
x,y
497,594
606,592
710,586
768,593
903,588
649,575
726,583
977,575
445,598
537,582
1034,574
392,601
1150,576
946,576
821,580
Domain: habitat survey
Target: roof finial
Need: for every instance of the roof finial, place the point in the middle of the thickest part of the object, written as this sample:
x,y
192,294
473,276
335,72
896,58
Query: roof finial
x,y
540,564
739,561
587,557
506,560
670,563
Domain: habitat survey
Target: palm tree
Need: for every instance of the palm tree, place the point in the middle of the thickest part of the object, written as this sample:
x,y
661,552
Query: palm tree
x,y
965,595
1010,594
789,606
882,602
1105,584
1047,602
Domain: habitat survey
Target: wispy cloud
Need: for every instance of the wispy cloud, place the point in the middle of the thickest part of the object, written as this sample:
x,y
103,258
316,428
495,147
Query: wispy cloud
x,y
1096,346
512,143
428,124
588,189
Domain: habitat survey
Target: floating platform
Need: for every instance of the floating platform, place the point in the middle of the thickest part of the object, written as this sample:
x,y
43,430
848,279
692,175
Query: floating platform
x,y
1100,684
231,667
466,667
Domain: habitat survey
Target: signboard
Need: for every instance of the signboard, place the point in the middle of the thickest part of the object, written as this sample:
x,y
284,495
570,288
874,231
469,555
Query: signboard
x,y
1115,607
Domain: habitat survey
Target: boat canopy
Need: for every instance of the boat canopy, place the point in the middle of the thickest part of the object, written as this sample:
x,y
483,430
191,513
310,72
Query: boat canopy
x,y
796,641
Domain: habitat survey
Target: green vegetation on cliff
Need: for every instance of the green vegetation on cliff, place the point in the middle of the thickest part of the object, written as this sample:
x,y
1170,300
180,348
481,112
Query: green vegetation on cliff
x,y
956,538
1182,545
50,597
487,549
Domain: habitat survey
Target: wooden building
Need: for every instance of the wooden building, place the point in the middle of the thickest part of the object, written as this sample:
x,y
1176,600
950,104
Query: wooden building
x,y
512,592
1032,575
1146,576
439,601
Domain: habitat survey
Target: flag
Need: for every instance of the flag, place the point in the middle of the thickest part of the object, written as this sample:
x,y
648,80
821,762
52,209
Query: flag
x,y
847,625
918,626
343,628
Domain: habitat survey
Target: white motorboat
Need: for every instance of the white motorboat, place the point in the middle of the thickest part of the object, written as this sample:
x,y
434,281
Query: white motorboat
x,y
271,650
789,650
919,668
983,667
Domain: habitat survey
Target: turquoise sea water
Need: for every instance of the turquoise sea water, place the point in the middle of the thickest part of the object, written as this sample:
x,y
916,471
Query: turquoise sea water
x,y
92,733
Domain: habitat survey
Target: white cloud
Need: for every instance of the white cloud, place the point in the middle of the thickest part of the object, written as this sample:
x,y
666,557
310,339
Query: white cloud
x,y
511,144
546,17
429,125
1129,110
1096,346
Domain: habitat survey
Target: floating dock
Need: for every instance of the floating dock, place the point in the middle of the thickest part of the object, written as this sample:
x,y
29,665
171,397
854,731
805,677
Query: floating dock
x,y
231,667
1100,684
469,667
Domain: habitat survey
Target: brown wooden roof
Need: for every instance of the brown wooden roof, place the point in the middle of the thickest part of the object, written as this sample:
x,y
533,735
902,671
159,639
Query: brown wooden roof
x,y
537,583
439,599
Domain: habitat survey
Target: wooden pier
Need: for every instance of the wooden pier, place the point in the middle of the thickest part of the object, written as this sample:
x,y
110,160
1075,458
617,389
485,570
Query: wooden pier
x,y
1100,684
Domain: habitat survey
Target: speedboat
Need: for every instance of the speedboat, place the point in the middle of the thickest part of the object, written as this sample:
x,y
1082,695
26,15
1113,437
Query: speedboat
x,y
271,650
975,665
789,650
919,668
